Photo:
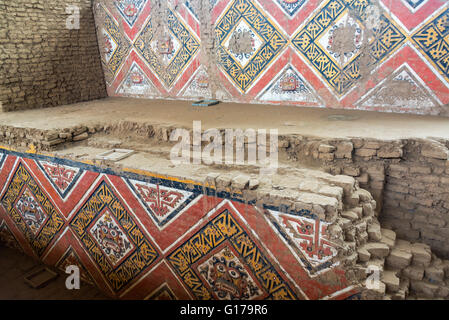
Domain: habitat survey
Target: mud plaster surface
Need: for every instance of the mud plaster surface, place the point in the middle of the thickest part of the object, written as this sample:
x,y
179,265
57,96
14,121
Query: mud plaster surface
x,y
287,119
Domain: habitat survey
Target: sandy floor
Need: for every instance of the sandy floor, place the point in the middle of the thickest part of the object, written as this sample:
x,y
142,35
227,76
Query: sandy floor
x,y
287,119
15,265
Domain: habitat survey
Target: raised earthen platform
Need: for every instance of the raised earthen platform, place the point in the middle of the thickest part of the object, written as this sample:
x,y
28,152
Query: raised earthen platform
x,y
373,196
287,119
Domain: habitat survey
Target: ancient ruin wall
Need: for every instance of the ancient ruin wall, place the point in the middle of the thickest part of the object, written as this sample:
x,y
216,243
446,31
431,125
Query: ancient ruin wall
x,y
317,242
169,234
368,55
42,63
408,178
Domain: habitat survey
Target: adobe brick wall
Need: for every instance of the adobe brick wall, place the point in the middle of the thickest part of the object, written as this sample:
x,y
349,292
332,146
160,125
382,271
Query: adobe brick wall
x,y
42,63
409,179
334,208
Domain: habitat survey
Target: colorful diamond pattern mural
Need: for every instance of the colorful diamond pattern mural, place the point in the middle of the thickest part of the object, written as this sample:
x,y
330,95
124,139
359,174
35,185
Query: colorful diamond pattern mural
x,y
329,50
321,41
247,43
31,210
142,237
433,40
168,55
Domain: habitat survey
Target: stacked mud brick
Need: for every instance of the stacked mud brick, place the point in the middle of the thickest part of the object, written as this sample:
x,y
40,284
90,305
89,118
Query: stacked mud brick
x,y
408,178
408,270
43,63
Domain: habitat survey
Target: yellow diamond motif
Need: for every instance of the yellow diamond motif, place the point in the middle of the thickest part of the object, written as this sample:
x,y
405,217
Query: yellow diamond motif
x,y
323,41
243,67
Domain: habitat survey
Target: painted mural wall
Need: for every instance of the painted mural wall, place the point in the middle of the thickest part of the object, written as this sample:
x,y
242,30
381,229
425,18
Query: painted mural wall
x,y
383,55
139,236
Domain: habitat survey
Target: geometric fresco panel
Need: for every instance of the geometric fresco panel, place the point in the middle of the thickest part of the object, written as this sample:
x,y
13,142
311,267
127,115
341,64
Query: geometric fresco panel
x,y
31,210
340,43
307,237
247,43
130,9
162,203
171,51
210,264
433,41
112,238
62,177
70,258
212,251
340,22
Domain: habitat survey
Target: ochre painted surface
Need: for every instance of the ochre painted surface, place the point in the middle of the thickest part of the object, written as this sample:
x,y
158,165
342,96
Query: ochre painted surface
x,y
381,55
137,236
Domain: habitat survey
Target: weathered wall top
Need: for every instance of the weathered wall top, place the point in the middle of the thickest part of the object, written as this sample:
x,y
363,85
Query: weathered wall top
x,y
369,55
